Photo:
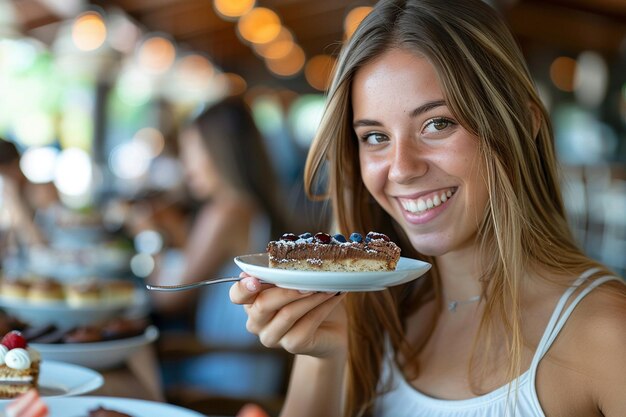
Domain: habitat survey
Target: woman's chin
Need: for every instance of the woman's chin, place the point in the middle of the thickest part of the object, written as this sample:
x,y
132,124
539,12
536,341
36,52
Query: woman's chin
x,y
429,249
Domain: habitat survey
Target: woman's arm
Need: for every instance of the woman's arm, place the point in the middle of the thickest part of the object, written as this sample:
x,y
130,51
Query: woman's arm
x,y
605,346
311,325
219,233
584,372
21,215
316,387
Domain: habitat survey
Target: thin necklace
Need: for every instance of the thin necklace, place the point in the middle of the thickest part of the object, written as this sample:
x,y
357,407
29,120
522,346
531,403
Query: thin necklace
x,y
453,304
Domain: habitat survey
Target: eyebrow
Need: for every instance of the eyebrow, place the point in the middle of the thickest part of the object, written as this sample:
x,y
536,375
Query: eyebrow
x,y
416,112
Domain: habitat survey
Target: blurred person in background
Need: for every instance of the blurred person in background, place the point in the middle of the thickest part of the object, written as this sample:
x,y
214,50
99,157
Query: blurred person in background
x,y
18,202
239,210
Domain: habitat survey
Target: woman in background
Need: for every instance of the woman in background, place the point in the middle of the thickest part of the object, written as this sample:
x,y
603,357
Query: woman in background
x,y
229,174
434,134
18,203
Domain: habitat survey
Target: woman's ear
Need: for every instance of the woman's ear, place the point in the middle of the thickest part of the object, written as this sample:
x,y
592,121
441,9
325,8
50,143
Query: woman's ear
x,y
537,117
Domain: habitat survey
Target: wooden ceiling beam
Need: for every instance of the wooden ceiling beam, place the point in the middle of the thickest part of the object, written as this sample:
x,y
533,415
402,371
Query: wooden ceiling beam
x,y
31,14
564,28
610,9
141,6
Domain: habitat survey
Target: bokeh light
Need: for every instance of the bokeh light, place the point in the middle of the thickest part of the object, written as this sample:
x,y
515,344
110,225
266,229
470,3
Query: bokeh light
x,y
35,128
130,160
304,118
562,72
318,71
288,66
89,31
142,265
73,172
123,34
38,164
277,48
133,88
231,9
148,241
354,18
235,84
156,54
152,138
591,79
17,55
259,25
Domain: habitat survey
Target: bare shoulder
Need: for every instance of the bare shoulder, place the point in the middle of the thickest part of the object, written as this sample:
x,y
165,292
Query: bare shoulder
x,y
598,321
604,309
596,335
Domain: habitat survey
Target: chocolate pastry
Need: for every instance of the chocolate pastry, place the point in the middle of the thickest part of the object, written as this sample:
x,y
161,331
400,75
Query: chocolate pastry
x,y
33,333
83,334
105,412
122,328
8,323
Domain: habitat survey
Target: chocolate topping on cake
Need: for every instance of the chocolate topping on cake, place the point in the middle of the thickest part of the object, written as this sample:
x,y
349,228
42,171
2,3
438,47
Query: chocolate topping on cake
x,y
326,249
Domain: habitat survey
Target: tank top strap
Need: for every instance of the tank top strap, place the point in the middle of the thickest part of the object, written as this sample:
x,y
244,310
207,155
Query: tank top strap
x,y
563,311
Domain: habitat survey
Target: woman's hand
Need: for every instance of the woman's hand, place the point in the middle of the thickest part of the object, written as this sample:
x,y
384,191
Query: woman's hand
x,y
307,323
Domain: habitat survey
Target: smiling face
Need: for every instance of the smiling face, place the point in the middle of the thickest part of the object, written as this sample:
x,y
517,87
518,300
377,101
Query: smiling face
x,y
416,160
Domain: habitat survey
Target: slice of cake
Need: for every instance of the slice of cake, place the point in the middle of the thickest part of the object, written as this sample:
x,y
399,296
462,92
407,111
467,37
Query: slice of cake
x,y
323,252
19,365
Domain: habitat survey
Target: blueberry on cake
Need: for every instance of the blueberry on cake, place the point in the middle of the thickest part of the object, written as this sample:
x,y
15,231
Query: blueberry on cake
x,y
323,252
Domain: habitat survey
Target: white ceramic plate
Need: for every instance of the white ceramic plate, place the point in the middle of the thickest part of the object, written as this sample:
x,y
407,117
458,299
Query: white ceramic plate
x,y
64,316
80,406
406,270
96,355
58,379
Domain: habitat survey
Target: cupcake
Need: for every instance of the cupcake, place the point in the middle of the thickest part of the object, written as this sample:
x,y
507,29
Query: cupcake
x,y
83,294
46,290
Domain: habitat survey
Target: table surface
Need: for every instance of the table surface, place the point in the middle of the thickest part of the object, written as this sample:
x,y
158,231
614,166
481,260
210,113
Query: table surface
x,y
139,378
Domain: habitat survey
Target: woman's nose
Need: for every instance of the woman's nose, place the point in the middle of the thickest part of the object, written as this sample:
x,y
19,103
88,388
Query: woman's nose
x,y
406,162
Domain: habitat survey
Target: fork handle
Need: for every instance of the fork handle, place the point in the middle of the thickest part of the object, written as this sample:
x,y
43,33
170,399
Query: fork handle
x,y
182,287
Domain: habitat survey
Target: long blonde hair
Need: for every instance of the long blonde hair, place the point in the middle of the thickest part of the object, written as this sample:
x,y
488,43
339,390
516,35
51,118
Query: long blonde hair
x,y
489,90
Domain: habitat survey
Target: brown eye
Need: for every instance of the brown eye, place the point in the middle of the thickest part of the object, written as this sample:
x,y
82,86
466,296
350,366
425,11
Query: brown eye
x,y
374,138
440,124
437,125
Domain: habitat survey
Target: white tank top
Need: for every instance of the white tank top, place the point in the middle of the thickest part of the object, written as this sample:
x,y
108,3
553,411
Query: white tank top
x,y
518,398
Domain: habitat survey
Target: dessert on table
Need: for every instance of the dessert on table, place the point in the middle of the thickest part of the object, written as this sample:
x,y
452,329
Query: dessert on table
x,y
323,252
106,412
30,404
19,365
80,293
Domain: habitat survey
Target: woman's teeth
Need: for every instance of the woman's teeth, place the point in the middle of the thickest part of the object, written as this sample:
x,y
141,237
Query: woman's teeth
x,y
420,205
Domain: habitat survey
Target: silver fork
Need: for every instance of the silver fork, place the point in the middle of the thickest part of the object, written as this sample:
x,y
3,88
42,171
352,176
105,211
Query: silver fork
x,y
183,287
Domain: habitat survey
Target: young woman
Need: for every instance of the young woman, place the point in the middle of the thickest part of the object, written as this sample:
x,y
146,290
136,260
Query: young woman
x,y
229,173
434,134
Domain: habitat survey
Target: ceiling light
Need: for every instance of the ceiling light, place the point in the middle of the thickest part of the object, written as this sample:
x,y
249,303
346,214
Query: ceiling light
x,y
259,25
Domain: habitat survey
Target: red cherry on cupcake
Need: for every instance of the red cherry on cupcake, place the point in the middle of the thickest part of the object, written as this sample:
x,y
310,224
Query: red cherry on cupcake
x,y
14,339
